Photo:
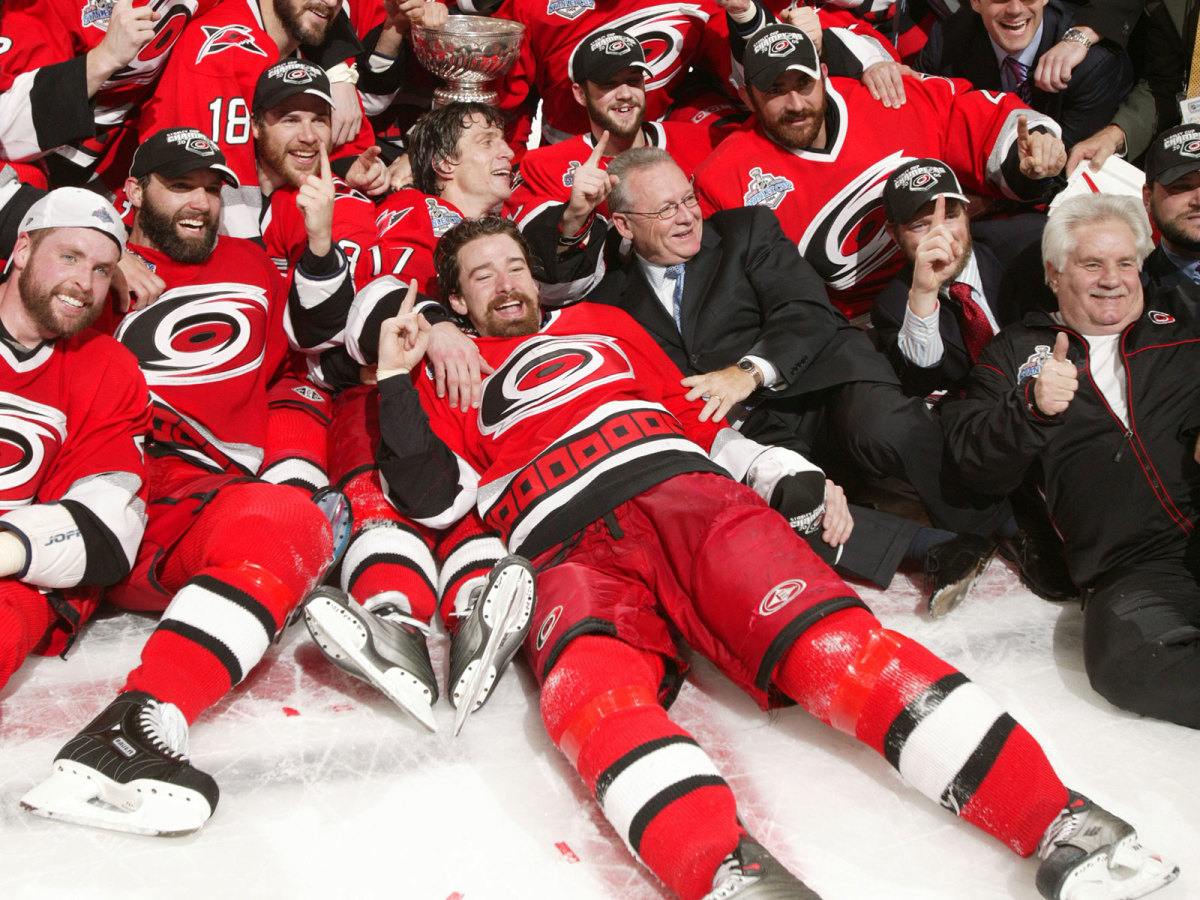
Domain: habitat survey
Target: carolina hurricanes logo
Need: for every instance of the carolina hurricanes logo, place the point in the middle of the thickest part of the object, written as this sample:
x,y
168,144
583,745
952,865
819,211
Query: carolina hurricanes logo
x,y
780,596
198,335
668,35
1161,318
228,37
545,372
846,240
1192,148
385,221
923,179
144,67
30,435
547,626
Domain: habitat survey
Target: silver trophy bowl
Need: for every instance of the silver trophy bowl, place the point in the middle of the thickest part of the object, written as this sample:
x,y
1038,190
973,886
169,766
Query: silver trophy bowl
x,y
468,52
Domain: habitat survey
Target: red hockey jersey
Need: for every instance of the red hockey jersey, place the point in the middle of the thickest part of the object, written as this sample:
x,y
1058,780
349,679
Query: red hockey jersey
x,y
36,34
547,173
576,419
74,414
830,201
208,347
674,36
409,224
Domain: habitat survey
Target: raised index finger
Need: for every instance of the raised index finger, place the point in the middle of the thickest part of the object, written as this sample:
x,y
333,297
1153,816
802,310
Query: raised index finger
x,y
325,169
410,298
1023,132
598,152
939,211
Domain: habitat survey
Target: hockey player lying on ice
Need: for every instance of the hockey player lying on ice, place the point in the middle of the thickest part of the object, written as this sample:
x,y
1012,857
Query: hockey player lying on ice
x,y
584,454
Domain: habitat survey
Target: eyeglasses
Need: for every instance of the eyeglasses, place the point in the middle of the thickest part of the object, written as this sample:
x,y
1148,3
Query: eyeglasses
x,y
667,210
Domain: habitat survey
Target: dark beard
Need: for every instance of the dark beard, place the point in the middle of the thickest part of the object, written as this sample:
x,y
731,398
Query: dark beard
x,y
604,120
1178,237
160,231
290,19
38,301
787,133
527,324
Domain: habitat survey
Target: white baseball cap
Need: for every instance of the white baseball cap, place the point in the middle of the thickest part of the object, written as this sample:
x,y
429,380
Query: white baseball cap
x,y
74,207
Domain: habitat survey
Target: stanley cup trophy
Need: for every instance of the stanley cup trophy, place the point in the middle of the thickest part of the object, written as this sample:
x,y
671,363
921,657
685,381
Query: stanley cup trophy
x,y
468,52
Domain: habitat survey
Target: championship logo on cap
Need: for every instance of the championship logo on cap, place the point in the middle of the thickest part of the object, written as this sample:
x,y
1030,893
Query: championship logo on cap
x,y
779,45
916,183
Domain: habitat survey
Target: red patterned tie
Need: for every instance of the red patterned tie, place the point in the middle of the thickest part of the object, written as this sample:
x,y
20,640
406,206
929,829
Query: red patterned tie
x,y
972,320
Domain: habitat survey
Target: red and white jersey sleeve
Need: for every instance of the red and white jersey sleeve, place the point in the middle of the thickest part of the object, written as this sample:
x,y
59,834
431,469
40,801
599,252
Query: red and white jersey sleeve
x,y
673,35
830,201
286,238
547,173
208,348
74,414
38,39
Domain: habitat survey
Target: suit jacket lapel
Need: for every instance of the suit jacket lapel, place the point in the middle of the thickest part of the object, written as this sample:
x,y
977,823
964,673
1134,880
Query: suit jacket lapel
x,y
698,277
640,301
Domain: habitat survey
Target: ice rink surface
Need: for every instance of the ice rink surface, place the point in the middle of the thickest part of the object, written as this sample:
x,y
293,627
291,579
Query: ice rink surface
x,y
327,791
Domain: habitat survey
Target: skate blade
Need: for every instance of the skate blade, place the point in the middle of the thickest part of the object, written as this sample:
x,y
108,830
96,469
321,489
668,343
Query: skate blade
x,y
947,600
337,510
343,639
79,794
509,607
1127,872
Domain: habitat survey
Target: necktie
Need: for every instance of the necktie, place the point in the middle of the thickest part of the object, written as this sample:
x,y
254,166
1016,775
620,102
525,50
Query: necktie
x,y
675,273
1019,73
972,320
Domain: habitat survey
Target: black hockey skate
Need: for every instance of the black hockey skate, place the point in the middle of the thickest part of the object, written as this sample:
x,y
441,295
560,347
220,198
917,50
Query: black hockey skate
x,y
128,771
382,646
951,568
1088,853
751,873
500,618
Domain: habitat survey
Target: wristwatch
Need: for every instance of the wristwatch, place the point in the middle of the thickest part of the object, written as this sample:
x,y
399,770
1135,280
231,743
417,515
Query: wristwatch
x,y
748,365
1075,36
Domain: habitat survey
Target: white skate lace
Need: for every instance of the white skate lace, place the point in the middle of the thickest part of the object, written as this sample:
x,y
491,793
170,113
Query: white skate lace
x,y
727,878
1061,830
164,728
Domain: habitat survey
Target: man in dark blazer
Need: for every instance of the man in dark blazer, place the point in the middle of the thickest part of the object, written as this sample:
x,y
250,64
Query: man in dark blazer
x,y
996,45
752,329
1172,199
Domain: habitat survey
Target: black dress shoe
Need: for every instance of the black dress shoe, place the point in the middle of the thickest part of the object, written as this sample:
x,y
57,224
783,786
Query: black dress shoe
x,y
1041,565
952,567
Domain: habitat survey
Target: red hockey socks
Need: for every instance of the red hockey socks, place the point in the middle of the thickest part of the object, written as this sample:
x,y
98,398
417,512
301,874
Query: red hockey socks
x,y
298,415
941,732
251,556
656,786
466,554
25,617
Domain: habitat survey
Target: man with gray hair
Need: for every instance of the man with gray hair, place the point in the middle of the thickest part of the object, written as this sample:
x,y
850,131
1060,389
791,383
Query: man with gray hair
x,y
1101,400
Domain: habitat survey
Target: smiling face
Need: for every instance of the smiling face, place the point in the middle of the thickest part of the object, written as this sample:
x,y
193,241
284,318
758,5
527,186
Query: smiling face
x,y
288,138
480,179
618,105
1012,24
177,215
305,21
497,291
956,222
1099,289
62,276
667,241
792,110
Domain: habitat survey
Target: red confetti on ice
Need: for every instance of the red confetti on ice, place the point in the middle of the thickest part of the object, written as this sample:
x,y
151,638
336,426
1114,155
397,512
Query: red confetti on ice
x,y
288,711
455,896
567,852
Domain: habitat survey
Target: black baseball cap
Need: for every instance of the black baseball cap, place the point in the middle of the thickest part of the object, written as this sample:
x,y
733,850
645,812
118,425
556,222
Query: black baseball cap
x,y
603,54
774,50
288,78
177,151
1173,154
916,183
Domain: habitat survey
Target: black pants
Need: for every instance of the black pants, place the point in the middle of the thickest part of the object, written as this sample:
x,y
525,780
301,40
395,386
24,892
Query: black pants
x,y
1141,640
872,428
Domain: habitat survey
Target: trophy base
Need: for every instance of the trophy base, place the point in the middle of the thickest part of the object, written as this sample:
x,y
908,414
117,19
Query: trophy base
x,y
460,92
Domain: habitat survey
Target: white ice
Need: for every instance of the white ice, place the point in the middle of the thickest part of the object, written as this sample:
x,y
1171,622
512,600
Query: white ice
x,y
327,791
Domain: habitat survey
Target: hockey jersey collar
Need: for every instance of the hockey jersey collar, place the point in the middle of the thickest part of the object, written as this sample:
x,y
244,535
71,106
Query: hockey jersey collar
x,y
836,124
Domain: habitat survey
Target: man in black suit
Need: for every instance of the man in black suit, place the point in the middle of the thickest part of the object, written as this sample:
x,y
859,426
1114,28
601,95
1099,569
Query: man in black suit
x,y
996,44
934,319
748,321
1172,198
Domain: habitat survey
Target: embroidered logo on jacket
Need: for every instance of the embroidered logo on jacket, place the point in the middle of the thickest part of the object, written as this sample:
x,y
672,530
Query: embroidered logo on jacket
x,y
780,596
1160,318
1032,366
96,13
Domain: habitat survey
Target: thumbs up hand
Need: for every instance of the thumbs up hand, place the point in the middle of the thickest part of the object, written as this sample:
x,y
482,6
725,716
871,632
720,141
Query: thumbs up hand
x,y
1055,385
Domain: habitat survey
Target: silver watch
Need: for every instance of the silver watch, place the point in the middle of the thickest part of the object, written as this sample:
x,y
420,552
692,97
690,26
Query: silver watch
x,y
1075,36
748,365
